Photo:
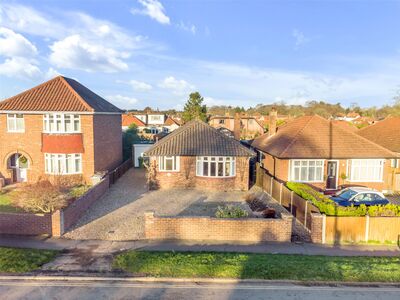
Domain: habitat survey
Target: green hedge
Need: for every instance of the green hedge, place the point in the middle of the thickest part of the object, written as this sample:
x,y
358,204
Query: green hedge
x,y
330,208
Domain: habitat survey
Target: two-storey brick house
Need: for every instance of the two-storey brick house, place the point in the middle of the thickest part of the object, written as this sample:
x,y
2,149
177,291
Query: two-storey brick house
x,y
58,128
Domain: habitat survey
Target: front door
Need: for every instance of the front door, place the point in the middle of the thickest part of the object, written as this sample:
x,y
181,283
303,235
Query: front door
x,y
331,182
20,164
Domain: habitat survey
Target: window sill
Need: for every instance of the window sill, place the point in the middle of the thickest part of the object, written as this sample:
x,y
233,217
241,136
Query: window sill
x,y
163,171
16,131
216,177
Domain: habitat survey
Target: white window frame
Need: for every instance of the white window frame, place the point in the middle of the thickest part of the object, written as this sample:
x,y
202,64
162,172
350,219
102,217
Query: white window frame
x,y
370,163
162,162
395,163
53,162
12,118
200,160
307,161
61,117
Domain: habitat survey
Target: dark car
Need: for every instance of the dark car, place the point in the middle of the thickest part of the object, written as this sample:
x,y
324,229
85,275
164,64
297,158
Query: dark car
x,y
340,188
359,195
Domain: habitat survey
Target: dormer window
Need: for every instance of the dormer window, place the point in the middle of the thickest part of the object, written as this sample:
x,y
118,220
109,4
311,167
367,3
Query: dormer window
x,y
15,123
61,123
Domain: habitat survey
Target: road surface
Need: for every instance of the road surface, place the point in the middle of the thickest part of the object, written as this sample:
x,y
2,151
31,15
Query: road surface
x,y
114,289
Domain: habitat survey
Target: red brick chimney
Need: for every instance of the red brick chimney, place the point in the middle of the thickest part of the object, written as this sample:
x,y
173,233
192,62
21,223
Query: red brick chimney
x,y
273,115
236,126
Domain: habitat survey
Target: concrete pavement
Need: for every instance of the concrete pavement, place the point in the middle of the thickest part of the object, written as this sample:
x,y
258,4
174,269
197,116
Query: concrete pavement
x,y
99,246
125,289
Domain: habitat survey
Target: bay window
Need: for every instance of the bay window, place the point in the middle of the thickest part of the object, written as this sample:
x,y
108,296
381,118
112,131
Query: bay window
x,y
366,170
215,166
63,164
15,123
168,163
61,123
307,170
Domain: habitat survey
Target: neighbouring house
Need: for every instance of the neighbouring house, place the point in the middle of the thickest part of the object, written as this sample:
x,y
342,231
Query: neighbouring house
x,y
316,151
197,155
250,127
349,117
151,123
58,128
129,119
387,134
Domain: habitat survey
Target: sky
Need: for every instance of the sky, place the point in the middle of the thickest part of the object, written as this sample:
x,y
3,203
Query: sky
x,y
140,53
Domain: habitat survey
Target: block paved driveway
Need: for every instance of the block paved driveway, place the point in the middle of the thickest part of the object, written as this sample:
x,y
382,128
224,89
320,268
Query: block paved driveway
x,y
118,215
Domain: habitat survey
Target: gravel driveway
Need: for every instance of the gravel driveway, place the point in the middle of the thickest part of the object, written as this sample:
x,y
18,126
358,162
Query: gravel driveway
x,y
118,215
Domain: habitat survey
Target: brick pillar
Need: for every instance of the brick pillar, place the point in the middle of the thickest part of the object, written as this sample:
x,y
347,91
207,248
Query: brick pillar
x,y
148,222
317,228
57,223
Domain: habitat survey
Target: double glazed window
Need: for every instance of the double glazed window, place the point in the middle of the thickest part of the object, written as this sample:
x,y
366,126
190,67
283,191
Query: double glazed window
x,y
63,164
168,163
61,123
366,170
215,166
15,123
307,170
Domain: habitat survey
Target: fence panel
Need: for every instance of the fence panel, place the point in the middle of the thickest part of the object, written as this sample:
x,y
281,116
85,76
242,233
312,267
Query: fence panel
x,y
276,190
286,196
119,171
345,229
310,210
299,208
384,229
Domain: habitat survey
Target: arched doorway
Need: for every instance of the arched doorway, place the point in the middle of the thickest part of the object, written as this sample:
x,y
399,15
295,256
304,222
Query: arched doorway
x,y
19,163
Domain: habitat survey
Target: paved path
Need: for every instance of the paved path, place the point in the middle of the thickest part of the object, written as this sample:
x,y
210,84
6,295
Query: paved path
x,y
114,289
98,246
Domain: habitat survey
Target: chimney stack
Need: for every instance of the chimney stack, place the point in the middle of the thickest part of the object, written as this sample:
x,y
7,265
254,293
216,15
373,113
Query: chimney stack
x,y
236,127
273,116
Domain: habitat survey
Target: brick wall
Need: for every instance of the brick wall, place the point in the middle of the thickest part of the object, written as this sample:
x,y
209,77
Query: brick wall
x,y
186,177
317,230
107,142
25,224
214,229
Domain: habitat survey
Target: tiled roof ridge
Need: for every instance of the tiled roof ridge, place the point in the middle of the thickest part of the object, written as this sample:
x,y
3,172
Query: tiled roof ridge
x,y
297,134
75,92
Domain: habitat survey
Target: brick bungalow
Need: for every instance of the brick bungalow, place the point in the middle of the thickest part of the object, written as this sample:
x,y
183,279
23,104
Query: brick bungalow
x,y
314,150
387,134
197,155
58,128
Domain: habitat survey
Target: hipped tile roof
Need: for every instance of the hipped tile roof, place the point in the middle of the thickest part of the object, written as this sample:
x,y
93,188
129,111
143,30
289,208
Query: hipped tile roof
x,y
385,133
197,138
128,119
313,137
59,94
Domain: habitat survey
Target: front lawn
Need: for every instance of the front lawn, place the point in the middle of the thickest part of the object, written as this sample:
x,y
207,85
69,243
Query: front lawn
x,y
6,204
259,266
13,260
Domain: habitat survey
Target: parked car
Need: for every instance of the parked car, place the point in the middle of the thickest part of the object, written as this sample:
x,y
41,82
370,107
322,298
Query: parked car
x,y
340,188
359,195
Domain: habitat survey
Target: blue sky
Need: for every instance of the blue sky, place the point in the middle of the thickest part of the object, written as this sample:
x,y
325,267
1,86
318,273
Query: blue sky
x,y
147,52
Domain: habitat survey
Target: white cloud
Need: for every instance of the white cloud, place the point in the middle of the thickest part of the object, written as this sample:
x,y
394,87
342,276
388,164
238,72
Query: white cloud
x,y
20,67
187,27
51,73
154,9
299,38
74,52
139,85
177,86
14,44
121,101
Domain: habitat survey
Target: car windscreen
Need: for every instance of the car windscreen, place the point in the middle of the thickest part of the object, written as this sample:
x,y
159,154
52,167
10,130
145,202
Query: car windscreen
x,y
347,194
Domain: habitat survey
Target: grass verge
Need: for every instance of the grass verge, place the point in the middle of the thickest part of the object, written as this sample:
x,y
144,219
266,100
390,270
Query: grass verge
x,y
6,204
13,260
259,266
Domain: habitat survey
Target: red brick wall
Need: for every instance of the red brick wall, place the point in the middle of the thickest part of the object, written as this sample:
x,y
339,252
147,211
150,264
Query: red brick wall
x,y
317,221
107,142
72,213
215,229
25,224
186,177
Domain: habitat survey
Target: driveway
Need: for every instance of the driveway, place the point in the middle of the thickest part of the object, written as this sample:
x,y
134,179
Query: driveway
x,y
118,215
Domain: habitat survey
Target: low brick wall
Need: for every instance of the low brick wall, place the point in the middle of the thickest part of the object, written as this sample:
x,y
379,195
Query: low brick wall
x,y
215,229
317,230
72,213
54,224
25,224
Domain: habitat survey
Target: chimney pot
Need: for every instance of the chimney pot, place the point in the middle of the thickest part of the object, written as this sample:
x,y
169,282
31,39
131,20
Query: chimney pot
x,y
236,127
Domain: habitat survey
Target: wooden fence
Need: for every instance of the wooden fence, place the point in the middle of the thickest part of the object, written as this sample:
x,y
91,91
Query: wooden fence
x,y
297,206
119,171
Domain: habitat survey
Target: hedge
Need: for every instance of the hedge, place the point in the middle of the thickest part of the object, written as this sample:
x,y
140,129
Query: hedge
x,y
330,208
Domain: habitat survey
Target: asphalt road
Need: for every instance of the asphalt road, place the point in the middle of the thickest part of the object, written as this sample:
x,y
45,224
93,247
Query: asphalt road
x,y
77,289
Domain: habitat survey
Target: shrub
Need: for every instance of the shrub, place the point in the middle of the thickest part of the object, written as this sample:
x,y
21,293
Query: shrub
x,y
42,197
231,211
78,191
330,208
